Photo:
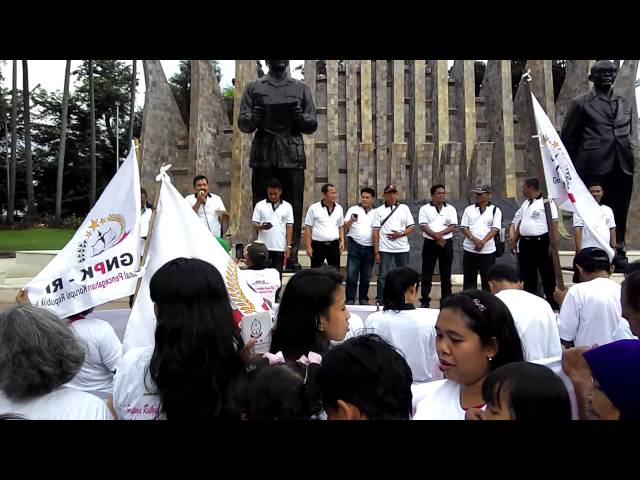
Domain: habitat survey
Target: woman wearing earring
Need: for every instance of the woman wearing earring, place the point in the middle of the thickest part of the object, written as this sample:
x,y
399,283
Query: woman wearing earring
x,y
312,313
475,334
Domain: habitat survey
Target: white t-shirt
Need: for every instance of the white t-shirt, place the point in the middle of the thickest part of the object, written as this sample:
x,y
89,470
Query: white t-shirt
x,y
602,228
361,230
276,237
398,222
266,281
536,323
133,397
208,211
532,219
480,224
61,404
439,400
438,221
591,312
145,224
623,331
103,352
325,227
555,365
413,333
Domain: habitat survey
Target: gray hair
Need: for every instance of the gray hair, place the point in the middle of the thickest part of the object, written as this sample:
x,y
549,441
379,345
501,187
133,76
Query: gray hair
x,y
38,352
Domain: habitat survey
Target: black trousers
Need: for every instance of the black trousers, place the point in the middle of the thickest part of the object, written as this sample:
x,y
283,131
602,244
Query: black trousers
x,y
329,251
617,187
292,180
533,258
432,253
472,263
277,261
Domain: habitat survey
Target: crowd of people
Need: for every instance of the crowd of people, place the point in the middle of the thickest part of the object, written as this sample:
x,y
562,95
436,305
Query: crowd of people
x,y
483,355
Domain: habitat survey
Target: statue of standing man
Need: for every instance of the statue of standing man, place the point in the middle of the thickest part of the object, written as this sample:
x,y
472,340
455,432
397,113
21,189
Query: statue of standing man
x,y
599,135
279,109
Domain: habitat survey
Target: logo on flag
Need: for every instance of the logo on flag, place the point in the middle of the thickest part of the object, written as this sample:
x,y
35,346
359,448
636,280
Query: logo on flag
x,y
101,235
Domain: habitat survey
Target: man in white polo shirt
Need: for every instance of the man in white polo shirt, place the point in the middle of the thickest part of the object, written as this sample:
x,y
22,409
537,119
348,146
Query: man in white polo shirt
x,y
591,309
605,229
480,223
324,231
359,221
437,221
532,231
273,220
534,319
392,224
208,206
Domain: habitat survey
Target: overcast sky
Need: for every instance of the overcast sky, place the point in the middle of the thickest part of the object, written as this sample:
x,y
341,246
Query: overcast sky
x,y
50,74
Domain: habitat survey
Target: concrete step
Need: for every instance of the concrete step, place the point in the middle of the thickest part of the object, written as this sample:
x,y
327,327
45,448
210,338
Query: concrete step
x,y
35,257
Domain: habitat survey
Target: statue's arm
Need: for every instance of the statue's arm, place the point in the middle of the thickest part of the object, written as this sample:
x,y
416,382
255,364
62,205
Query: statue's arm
x,y
246,122
572,129
309,122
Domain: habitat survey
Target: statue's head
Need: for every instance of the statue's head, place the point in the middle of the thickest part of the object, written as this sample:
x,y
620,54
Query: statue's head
x,y
603,74
277,67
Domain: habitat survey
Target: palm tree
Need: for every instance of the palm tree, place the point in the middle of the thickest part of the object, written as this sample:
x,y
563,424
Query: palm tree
x,y
14,137
92,104
31,203
132,106
63,142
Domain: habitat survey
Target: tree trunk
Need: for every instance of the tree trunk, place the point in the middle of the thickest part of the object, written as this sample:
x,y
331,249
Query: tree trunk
x,y
92,119
132,107
63,142
14,138
31,203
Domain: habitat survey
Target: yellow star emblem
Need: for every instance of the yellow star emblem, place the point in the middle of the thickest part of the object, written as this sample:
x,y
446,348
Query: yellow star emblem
x,y
94,224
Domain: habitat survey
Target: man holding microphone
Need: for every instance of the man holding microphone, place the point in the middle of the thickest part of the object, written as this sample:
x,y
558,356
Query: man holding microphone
x,y
209,207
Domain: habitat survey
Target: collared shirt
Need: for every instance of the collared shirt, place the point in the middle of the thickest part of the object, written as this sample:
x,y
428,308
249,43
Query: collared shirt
x,y
208,212
279,215
398,222
591,312
536,323
325,225
603,228
437,221
361,230
480,224
532,219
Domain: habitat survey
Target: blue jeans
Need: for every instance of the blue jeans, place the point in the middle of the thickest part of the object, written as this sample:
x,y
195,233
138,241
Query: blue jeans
x,y
359,263
386,261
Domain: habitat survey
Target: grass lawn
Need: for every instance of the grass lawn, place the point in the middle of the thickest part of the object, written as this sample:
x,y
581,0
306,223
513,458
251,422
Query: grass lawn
x,y
34,239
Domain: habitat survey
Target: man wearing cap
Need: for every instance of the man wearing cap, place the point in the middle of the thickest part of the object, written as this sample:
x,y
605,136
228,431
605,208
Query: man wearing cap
x,y
324,229
392,224
264,280
531,229
438,221
591,310
480,223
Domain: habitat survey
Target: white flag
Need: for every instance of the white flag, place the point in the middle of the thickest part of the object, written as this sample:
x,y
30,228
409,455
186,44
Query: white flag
x,y
179,232
563,183
98,263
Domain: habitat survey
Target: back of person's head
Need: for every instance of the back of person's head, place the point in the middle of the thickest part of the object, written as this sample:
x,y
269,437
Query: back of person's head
x,y
489,318
258,255
283,391
397,282
590,260
616,368
307,296
368,374
38,352
527,391
501,272
196,339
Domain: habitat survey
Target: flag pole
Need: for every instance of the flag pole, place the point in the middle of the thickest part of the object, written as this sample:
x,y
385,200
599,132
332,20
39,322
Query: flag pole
x,y
537,155
151,225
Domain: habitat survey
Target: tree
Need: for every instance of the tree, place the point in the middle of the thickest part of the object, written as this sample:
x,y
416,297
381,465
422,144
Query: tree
x,y
92,119
31,205
63,141
14,137
180,84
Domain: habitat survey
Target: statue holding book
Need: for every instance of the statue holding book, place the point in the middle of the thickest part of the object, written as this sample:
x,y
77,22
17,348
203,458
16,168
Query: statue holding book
x,y
279,109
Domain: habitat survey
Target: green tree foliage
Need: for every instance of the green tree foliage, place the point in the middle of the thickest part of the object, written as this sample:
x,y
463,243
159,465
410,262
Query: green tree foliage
x,y
180,84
